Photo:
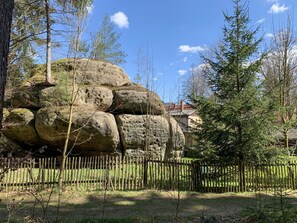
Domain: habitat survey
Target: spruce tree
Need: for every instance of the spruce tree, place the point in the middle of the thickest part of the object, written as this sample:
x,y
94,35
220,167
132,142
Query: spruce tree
x,y
105,45
236,119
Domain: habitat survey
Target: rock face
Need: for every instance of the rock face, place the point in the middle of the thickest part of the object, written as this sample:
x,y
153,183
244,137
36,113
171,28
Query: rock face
x,y
111,115
137,102
144,134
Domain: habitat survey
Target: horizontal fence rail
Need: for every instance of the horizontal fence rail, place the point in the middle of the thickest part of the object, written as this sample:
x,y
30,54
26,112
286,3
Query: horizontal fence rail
x,y
137,173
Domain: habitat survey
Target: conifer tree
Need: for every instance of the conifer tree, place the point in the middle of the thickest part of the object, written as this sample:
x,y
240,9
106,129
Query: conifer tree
x,y
235,120
105,45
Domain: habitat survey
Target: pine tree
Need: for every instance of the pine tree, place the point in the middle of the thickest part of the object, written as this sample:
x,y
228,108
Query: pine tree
x,y
105,45
236,119
26,36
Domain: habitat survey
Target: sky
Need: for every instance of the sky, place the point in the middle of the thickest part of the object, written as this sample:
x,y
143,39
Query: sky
x,y
173,33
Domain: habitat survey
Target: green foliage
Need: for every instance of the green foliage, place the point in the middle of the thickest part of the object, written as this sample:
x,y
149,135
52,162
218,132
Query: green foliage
x,y
27,27
105,45
280,210
237,118
61,92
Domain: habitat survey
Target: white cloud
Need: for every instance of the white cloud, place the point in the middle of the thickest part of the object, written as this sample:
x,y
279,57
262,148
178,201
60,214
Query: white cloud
x,y
182,72
272,1
192,49
269,35
185,59
199,68
160,73
120,19
261,20
277,8
292,53
171,64
90,8
155,79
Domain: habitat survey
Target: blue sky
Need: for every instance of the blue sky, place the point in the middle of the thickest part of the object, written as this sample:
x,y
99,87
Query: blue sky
x,y
174,32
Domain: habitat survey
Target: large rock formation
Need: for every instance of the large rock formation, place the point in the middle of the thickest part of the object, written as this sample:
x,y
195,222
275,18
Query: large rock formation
x,y
111,115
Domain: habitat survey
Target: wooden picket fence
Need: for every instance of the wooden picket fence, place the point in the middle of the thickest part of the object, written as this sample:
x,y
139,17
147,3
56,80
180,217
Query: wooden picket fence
x,y
138,173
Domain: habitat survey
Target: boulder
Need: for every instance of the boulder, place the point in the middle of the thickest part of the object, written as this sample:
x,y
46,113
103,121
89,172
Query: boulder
x,y
19,126
137,101
177,140
92,132
27,97
111,115
144,134
86,72
8,146
101,73
95,97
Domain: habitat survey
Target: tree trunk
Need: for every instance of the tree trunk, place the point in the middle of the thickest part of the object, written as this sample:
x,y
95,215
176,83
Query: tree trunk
x,y
48,42
6,10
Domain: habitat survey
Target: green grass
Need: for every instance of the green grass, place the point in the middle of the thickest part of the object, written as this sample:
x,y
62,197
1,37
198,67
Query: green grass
x,y
141,206
130,176
149,206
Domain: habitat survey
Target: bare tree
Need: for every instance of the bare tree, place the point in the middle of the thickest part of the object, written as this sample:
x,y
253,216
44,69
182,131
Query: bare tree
x,y
80,23
195,84
280,72
6,11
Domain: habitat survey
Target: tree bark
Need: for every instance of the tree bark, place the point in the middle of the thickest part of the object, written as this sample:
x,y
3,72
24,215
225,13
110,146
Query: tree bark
x,y
6,11
48,42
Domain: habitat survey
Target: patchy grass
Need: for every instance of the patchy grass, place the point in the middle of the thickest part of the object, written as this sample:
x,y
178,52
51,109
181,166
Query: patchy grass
x,y
137,206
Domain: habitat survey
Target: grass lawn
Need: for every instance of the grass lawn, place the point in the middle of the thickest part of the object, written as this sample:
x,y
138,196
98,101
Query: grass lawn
x,y
139,206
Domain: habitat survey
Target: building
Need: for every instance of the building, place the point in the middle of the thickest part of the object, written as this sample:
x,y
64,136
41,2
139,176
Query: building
x,y
187,117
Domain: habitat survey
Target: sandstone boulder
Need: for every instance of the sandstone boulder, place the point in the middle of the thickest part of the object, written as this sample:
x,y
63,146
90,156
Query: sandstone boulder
x,y
19,126
8,146
177,140
137,101
95,97
93,132
27,97
144,135
101,73
111,115
87,72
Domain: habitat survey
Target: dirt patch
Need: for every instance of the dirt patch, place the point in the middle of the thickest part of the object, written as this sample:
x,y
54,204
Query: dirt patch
x,y
81,205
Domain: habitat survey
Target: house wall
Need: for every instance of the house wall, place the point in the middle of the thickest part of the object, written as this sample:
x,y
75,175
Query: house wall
x,y
193,121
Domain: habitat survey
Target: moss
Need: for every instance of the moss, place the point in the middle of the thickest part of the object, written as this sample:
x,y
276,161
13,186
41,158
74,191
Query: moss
x,y
5,113
20,115
38,75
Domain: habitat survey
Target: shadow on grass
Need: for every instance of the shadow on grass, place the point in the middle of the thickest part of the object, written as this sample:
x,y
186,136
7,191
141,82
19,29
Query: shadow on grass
x,y
138,206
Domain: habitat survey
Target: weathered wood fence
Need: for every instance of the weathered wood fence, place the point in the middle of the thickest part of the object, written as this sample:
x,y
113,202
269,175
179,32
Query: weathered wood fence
x,y
137,173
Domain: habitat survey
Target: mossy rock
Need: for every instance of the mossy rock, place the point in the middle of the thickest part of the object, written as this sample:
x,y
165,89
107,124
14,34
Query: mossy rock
x,y
19,126
85,71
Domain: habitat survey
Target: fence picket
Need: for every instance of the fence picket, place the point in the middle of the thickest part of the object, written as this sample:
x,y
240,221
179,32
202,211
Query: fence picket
x,y
133,173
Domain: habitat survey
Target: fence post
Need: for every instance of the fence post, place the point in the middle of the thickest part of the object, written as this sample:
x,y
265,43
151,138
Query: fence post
x,y
291,176
145,167
242,176
196,180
